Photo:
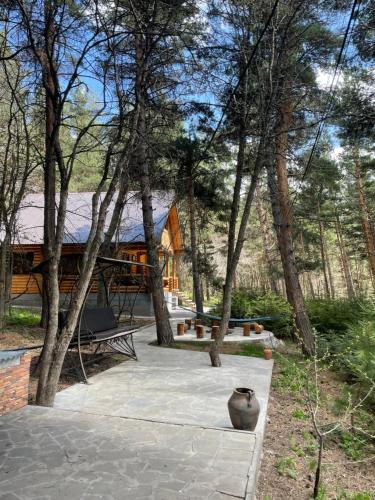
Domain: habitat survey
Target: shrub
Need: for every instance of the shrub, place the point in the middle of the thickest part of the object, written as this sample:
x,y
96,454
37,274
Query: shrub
x,y
248,304
22,317
338,315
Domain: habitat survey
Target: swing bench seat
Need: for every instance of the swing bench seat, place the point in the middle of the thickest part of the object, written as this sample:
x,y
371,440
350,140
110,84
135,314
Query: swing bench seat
x,y
98,326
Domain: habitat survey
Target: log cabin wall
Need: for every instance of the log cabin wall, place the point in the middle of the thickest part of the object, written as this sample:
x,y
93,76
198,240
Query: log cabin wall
x,y
29,256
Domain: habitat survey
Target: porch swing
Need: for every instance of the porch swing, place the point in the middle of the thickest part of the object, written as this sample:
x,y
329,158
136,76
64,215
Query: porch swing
x,y
98,326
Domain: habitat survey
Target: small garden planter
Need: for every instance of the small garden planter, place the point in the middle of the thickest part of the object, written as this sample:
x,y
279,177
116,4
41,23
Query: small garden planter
x,y
267,352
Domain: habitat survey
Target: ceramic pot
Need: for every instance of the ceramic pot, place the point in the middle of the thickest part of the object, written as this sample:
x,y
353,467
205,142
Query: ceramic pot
x,y
243,409
267,352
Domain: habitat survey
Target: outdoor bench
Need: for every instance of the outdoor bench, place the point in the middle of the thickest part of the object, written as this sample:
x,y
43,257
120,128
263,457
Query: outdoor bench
x,y
98,326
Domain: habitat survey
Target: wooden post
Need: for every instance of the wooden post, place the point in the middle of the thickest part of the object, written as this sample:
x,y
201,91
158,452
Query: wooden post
x,y
200,331
188,323
197,323
214,331
246,329
180,328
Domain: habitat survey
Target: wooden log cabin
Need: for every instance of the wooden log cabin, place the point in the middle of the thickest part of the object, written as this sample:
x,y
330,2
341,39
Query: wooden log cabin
x,y
128,244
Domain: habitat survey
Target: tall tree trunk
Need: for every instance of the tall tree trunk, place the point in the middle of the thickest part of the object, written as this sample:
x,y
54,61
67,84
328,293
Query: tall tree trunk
x,y
4,273
323,253
47,59
268,242
279,193
164,331
236,246
194,247
308,275
344,260
368,230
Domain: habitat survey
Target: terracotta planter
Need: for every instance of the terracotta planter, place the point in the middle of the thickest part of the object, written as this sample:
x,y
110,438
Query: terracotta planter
x,y
188,323
200,331
267,352
243,409
246,329
214,331
180,328
259,328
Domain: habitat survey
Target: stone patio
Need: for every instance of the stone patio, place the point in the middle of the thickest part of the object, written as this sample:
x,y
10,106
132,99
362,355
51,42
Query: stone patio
x,y
153,429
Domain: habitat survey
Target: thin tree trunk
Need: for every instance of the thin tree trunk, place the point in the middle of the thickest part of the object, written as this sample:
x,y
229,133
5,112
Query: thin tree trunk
x,y
194,248
279,193
323,253
4,273
47,60
344,260
308,276
164,331
268,242
368,230
236,250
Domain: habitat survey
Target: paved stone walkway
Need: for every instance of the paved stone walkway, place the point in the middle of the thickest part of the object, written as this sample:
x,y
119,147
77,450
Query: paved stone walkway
x,y
153,429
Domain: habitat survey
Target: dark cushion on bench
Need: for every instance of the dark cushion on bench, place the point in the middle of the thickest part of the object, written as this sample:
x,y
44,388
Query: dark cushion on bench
x,y
98,319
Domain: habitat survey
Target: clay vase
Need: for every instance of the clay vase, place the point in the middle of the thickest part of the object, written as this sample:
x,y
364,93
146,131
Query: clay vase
x,y
259,328
267,352
180,329
246,329
243,409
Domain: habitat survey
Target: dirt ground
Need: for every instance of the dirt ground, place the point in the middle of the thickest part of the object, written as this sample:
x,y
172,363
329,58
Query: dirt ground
x,y
289,455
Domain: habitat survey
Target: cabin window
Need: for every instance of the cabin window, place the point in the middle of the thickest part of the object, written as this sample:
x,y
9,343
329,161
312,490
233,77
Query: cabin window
x,y
22,262
70,264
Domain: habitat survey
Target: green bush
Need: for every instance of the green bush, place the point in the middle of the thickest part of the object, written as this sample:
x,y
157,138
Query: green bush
x,y
336,316
22,317
249,304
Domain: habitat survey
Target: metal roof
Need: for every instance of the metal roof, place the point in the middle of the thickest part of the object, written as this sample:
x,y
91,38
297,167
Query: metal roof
x,y
78,218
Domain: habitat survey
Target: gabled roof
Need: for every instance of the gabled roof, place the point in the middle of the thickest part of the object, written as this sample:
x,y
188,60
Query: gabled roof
x,y
78,218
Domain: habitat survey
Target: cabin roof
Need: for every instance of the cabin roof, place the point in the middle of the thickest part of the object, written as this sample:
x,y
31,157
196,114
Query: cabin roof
x,y
78,218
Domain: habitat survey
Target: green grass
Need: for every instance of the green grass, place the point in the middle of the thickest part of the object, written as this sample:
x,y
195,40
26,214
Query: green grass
x,y
253,350
22,317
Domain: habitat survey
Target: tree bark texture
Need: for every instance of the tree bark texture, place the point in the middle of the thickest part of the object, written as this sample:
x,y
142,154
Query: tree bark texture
x,y
194,248
268,242
368,230
279,193
164,331
348,278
